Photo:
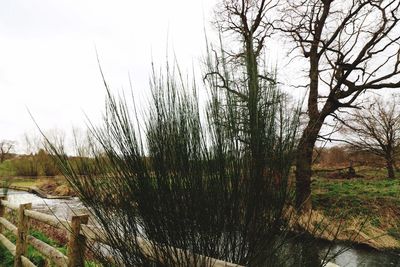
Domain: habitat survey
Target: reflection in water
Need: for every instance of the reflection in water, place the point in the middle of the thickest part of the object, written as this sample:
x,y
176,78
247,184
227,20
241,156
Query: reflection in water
x,y
354,257
362,257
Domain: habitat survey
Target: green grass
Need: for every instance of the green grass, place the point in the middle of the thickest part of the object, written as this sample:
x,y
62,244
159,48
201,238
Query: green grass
x,y
368,196
395,232
357,195
24,182
373,198
359,188
7,260
19,181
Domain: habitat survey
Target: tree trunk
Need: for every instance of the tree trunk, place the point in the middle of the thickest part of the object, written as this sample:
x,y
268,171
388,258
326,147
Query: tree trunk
x,y
390,168
316,118
304,164
305,148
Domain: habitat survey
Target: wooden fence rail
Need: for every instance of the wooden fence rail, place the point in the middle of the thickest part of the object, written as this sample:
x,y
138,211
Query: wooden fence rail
x,y
76,244
78,230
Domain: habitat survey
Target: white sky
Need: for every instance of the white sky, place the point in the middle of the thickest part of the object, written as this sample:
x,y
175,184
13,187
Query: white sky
x,y
48,60
48,55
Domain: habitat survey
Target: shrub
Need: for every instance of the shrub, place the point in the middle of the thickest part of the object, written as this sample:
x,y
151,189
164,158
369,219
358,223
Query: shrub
x,y
26,166
46,164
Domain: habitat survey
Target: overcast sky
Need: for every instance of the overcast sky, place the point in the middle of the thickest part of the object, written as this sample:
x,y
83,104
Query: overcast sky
x,y
48,54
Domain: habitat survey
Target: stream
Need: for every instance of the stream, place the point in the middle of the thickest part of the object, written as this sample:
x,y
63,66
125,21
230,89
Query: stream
x,y
352,257
361,256
61,208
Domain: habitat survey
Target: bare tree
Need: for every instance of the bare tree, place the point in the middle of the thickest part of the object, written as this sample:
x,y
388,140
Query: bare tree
x,y
6,146
31,143
377,130
238,69
349,47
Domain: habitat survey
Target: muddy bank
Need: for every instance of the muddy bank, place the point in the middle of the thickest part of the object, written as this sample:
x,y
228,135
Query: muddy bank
x,y
39,192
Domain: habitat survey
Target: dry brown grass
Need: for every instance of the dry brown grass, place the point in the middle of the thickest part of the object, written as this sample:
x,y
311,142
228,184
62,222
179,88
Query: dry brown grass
x,y
356,230
55,187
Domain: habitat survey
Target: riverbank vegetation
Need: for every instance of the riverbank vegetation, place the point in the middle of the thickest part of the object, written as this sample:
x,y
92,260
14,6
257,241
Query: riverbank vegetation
x,y
39,164
354,182
34,165
370,198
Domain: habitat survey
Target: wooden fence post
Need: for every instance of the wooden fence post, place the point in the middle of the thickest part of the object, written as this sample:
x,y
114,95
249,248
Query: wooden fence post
x,y
77,242
22,233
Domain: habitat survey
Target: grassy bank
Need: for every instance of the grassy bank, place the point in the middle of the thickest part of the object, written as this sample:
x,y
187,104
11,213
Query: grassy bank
x,y
371,200
6,259
34,171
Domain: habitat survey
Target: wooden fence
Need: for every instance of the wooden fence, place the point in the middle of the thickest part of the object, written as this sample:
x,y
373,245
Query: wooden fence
x,y
78,229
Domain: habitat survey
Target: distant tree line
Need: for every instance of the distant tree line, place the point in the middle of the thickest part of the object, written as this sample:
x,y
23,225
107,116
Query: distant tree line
x,y
341,156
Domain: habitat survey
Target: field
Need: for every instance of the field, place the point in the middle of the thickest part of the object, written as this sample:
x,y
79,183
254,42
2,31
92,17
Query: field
x,y
372,200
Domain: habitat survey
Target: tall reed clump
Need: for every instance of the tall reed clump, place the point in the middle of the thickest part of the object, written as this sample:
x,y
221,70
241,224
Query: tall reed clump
x,y
188,184
185,185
